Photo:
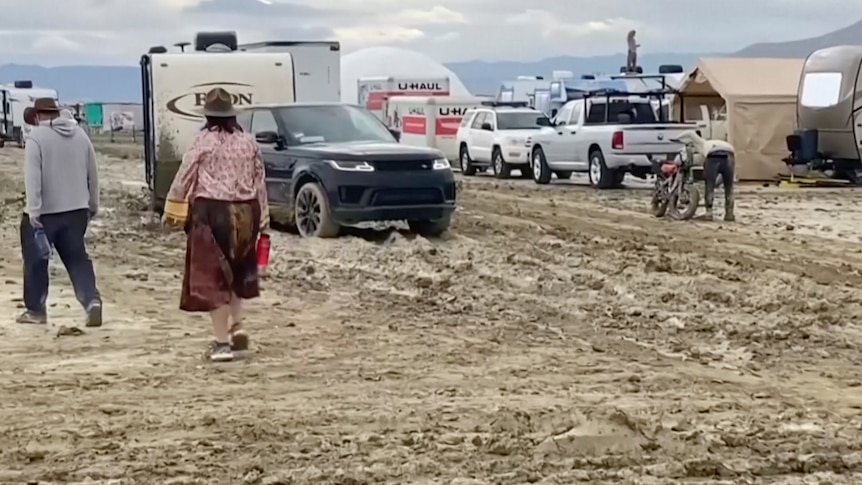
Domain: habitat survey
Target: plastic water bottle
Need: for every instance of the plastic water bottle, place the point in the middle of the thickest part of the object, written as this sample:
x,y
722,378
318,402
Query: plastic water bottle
x,y
43,246
263,245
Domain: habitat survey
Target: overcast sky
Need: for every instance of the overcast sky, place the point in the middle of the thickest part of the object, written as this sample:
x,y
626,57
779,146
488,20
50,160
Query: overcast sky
x,y
52,32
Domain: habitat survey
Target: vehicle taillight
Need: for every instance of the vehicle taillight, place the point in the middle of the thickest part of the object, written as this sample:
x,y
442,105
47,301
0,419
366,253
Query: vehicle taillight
x,y
617,140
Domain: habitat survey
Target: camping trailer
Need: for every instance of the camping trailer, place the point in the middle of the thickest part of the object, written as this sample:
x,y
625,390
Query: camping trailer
x,y
317,65
174,88
829,113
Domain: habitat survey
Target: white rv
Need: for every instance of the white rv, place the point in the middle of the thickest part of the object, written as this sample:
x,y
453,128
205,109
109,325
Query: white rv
x,y
21,95
317,65
175,85
429,121
372,91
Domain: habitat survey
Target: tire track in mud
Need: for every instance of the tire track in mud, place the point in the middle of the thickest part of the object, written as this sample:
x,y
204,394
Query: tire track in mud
x,y
523,348
810,311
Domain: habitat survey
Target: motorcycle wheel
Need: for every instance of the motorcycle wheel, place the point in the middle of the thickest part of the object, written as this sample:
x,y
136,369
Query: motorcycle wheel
x,y
659,203
691,195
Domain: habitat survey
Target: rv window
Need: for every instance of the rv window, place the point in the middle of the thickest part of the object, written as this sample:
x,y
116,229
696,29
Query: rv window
x,y
821,89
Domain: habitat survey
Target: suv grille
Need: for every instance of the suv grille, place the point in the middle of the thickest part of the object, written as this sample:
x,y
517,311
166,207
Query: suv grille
x,y
403,165
396,197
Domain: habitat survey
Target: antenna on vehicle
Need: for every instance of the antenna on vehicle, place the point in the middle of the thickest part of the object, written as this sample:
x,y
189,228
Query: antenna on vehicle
x,y
182,45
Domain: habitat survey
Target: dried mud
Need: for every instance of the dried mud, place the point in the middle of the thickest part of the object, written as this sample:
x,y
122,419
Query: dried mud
x,y
557,336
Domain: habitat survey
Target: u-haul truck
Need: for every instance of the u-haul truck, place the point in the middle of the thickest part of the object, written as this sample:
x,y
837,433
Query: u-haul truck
x,y
373,91
174,89
430,121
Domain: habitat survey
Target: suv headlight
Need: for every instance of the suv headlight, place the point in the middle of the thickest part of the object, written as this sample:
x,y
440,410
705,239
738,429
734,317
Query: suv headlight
x,y
516,141
442,164
349,166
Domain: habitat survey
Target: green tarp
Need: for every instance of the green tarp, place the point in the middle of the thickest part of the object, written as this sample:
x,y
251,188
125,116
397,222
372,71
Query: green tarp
x,y
93,114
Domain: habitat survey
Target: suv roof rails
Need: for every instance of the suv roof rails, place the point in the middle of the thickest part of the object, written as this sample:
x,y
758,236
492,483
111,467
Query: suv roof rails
x,y
506,104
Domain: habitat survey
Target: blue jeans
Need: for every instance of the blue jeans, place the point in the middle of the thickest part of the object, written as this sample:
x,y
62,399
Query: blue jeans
x,y
65,231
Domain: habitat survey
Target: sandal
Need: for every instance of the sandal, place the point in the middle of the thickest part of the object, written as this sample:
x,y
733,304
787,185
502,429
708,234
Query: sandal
x,y
238,338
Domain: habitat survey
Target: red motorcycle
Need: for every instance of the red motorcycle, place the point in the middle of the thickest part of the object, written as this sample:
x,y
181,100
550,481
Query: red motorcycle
x,y
674,193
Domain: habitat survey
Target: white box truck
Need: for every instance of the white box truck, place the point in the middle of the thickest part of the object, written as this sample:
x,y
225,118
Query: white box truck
x,y
430,121
373,91
317,66
175,86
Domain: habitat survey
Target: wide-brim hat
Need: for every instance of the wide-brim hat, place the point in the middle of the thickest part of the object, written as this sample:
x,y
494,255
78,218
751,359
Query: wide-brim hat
x,y
218,103
30,116
46,105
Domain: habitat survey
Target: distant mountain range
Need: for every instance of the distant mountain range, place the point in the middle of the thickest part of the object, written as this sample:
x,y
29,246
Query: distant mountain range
x,y
123,84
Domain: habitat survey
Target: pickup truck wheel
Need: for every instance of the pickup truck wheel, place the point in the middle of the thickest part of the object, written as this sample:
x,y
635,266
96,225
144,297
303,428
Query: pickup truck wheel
x,y
311,212
502,170
563,175
601,177
467,167
433,228
541,171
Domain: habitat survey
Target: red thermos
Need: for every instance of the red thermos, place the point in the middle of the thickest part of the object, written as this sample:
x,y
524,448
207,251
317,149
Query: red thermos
x,y
263,251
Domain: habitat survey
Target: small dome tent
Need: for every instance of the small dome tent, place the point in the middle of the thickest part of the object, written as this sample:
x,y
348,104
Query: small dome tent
x,y
392,62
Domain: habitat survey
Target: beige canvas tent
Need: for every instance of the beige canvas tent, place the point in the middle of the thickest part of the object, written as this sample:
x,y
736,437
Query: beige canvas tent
x,y
760,99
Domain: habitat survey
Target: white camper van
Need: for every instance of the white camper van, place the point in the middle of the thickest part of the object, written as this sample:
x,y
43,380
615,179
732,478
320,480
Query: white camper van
x,y
372,91
21,95
174,88
429,121
317,65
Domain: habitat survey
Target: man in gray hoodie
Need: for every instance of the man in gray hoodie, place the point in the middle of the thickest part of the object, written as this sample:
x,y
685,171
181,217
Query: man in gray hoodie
x,y
61,182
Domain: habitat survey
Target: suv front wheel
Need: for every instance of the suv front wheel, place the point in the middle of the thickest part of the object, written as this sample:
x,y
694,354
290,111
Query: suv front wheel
x,y
501,168
311,212
467,167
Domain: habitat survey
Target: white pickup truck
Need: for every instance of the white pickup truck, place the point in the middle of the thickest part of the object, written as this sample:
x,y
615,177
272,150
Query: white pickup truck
x,y
605,136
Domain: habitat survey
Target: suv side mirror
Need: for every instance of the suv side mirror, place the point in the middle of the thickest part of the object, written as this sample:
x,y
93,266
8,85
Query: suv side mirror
x,y
487,127
267,137
396,134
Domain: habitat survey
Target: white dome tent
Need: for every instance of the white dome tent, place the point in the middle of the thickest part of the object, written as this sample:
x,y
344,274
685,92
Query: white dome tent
x,y
392,62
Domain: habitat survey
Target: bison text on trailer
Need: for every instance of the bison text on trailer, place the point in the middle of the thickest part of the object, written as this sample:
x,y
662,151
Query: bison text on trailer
x,y
317,66
372,91
430,121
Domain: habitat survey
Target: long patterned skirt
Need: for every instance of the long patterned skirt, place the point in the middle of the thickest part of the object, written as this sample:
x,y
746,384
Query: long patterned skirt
x,y
221,254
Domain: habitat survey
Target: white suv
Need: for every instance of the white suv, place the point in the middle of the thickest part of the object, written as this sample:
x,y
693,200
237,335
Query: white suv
x,y
498,136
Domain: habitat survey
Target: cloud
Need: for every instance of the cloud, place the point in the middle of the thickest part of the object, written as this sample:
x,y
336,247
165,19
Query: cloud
x,y
118,31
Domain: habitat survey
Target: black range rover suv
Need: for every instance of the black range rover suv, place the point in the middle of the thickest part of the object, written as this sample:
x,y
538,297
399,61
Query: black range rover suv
x,y
329,165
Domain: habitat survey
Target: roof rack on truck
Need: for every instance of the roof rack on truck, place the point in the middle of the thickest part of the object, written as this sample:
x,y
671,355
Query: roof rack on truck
x,y
506,104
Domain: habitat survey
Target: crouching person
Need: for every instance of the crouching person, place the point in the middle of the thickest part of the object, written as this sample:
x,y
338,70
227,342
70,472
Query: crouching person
x,y
718,161
62,193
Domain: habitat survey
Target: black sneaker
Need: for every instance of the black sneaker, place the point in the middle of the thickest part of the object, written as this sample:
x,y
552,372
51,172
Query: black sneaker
x,y
94,314
221,352
31,317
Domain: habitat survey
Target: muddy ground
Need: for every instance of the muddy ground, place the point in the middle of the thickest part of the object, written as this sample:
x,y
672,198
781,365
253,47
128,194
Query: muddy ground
x,y
557,336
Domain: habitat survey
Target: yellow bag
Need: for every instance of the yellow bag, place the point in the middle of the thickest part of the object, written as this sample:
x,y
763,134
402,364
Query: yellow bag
x,y
176,212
